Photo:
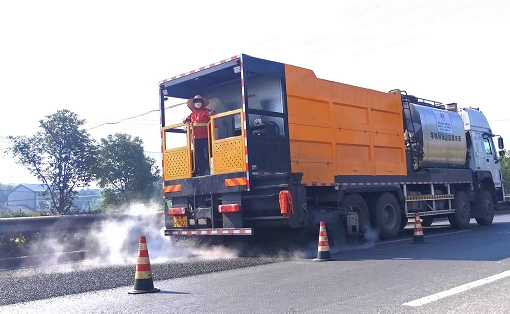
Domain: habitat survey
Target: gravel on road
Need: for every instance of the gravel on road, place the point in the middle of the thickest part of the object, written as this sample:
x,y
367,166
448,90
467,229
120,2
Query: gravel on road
x,y
47,282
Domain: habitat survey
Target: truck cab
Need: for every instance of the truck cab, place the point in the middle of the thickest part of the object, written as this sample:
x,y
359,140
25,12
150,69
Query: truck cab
x,y
482,154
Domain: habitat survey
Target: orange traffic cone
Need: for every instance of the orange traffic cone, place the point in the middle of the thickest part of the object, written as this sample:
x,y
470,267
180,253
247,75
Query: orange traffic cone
x,y
143,273
323,253
418,231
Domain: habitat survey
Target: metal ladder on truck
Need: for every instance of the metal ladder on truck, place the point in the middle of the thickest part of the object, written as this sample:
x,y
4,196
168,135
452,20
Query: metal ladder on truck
x,y
411,132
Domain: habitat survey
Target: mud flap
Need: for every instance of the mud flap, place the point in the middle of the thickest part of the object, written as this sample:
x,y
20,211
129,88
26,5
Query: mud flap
x,y
342,226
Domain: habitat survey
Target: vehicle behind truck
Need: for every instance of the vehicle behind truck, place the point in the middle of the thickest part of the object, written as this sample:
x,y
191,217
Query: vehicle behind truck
x,y
288,150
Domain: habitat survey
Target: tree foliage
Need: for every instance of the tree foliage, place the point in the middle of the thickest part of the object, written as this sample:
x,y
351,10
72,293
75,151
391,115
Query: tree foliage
x,y
505,171
124,171
61,155
4,191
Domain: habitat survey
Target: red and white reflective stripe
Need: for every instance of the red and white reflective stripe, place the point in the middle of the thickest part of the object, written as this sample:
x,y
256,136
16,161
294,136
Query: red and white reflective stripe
x,y
245,128
200,69
244,231
393,183
161,133
321,184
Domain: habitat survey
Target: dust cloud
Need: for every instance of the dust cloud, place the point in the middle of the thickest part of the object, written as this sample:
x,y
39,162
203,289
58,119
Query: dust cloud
x,y
114,241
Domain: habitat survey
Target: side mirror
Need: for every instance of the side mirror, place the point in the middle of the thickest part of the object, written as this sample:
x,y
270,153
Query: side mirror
x,y
501,144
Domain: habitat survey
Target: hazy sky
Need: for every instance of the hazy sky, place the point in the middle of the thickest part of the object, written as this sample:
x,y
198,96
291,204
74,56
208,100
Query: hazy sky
x,y
103,59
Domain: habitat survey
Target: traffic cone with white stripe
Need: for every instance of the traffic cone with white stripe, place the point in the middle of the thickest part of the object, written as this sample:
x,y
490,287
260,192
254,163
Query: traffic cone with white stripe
x,y
143,273
323,253
418,230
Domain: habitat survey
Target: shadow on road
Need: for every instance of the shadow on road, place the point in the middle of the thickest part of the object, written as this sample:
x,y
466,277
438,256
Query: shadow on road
x,y
171,292
475,243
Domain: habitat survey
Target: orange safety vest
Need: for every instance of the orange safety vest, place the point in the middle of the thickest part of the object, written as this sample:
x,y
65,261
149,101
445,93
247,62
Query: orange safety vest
x,y
199,120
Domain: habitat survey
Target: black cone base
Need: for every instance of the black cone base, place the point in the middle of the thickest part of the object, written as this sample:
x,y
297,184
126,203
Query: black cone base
x,y
419,240
143,286
322,256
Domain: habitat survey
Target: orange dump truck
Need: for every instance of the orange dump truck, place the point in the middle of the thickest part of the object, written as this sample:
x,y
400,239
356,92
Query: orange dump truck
x,y
287,150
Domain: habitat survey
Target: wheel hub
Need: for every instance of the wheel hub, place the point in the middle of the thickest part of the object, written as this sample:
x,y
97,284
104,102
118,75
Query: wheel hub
x,y
389,216
488,208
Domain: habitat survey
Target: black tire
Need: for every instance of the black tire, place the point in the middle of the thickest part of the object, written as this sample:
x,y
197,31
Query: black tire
x,y
404,220
485,205
387,216
427,221
358,204
460,219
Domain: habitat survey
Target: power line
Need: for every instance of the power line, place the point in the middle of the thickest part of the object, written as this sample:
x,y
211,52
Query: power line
x,y
133,117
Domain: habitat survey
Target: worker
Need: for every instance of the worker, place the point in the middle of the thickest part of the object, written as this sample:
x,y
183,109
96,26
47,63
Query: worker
x,y
199,119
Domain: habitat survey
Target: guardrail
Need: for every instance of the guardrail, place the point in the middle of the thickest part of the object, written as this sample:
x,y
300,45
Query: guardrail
x,y
22,225
69,223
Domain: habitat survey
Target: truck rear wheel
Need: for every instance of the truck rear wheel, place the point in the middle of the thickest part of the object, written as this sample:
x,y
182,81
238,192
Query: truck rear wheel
x,y
460,219
403,221
387,216
358,204
485,205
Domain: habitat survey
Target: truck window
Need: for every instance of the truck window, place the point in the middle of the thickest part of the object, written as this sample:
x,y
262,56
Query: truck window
x,y
265,93
265,105
487,145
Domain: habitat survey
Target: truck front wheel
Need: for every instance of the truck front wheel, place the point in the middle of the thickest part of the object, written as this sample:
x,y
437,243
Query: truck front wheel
x,y
460,219
486,207
387,216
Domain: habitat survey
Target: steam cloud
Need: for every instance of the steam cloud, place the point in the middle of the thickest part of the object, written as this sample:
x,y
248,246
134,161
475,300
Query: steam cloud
x,y
114,241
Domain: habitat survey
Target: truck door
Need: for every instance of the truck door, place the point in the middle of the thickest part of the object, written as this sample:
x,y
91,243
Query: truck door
x,y
479,161
491,159
266,117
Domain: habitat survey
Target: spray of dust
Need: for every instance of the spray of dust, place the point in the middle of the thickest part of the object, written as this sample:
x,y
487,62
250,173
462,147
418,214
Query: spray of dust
x,y
114,241
117,240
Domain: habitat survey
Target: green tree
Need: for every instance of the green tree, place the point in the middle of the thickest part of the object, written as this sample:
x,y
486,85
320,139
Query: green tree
x,y
61,155
124,171
4,191
505,171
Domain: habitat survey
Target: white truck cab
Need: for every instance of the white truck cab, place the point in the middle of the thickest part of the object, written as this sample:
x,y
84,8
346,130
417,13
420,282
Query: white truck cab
x,y
481,153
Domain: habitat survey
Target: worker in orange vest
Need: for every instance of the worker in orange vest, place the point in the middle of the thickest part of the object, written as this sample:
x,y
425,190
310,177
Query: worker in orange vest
x,y
199,119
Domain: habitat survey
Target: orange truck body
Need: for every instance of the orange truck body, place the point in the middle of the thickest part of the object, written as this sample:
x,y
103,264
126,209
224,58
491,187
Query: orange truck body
x,y
340,129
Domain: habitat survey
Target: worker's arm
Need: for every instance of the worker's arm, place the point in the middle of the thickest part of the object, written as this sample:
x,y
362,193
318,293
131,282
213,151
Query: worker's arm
x,y
187,119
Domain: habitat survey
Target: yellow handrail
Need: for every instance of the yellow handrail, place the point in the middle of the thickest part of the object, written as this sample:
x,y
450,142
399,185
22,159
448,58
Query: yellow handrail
x,y
164,131
228,113
209,148
173,126
194,153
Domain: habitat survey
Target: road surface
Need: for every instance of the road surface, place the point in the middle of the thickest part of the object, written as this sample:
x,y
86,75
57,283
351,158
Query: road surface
x,y
456,271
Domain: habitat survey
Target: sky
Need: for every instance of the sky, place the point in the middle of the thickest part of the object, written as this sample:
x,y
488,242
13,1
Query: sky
x,y
103,59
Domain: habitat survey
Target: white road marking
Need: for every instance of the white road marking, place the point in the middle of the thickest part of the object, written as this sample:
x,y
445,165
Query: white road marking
x,y
459,289
428,236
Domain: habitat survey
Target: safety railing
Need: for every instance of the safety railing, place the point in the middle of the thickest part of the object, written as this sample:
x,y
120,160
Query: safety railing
x,y
226,138
177,161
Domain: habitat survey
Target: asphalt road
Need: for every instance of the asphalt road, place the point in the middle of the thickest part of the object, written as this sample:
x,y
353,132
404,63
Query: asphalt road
x,y
390,277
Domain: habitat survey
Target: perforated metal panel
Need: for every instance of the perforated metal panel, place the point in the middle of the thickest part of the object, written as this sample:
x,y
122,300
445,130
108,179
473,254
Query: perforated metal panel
x,y
177,164
229,155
